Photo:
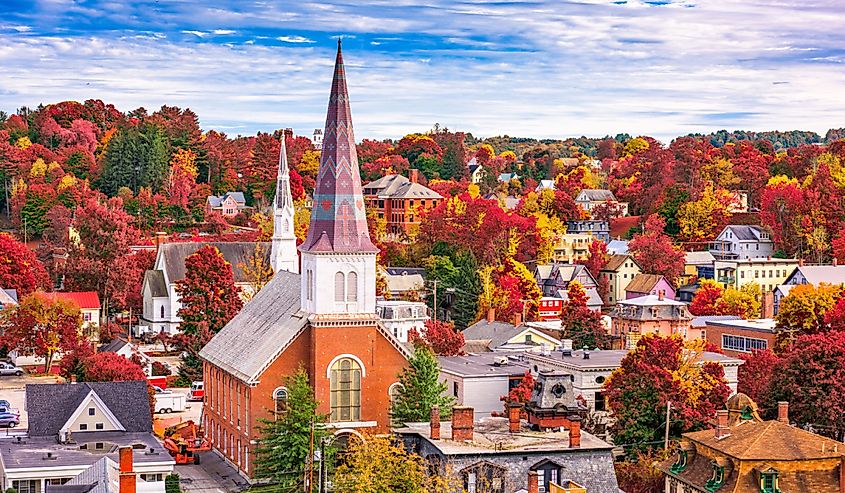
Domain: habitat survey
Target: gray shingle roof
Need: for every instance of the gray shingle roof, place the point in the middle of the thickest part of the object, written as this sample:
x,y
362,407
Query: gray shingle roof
x,y
155,280
51,405
746,233
236,253
101,477
593,195
817,274
113,346
487,331
260,331
8,297
215,201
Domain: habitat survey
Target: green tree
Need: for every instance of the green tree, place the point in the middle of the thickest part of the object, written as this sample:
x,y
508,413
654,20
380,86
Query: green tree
x,y
134,158
421,389
285,440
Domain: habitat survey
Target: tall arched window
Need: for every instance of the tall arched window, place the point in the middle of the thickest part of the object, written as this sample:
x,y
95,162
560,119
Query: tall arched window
x,y
346,390
162,311
280,401
394,390
352,287
339,287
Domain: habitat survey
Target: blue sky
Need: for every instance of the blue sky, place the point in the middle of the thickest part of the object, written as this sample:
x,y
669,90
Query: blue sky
x,y
536,68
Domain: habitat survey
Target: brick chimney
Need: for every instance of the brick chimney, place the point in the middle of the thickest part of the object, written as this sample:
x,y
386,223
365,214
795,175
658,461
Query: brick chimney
x,y
661,294
517,319
767,305
491,315
435,423
533,482
161,239
800,262
127,472
514,411
462,423
722,430
414,175
783,412
574,432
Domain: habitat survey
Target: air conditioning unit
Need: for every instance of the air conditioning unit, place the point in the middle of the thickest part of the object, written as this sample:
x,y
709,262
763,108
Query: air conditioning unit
x,y
500,361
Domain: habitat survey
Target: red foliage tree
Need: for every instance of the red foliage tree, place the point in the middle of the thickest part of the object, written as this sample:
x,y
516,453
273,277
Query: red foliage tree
x,y
520,394
654,251
19,269
597,261
372,150
782,204
441,337
42,326
111,367
208,293
835,317
756,376
706,300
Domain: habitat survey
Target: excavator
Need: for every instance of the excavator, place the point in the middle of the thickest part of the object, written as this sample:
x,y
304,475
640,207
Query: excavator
x,y
185,441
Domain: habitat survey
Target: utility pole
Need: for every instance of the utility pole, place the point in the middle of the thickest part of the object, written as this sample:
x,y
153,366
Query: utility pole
x,y
666,436
323,468
435,299
310,462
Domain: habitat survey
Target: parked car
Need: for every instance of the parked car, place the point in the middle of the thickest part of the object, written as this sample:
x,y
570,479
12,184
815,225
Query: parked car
x,y
9,420
6,407
10,369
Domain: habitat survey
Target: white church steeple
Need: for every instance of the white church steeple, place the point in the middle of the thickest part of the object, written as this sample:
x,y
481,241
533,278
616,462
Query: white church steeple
x,y
283,253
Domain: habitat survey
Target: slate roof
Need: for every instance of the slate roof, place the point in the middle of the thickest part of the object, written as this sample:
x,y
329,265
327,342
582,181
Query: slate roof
x,y
593,195
617,247
496,332
593,297
86,300
643,283
746,233
260,331
699,258
399,187
174,255
155,280
113,346
51,405
214,201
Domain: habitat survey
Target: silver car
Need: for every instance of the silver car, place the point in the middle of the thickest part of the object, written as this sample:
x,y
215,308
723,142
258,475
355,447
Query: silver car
x,y
10,369
9,420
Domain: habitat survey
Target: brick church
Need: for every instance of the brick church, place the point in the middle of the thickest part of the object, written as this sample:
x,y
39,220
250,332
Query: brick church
x,y
322,318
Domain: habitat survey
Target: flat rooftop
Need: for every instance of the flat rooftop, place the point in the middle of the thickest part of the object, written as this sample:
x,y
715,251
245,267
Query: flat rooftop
x,y
31,452
767,325
491,436
484,364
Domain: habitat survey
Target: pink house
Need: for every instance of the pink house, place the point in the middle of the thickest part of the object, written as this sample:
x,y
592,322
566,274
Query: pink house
x,y
646,284
651,314
228,205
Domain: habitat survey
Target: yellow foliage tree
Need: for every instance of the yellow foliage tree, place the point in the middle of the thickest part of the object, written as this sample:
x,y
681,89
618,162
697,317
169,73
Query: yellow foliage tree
x,y
474,190
803,309
301,220
309,164
703,219
743,302
66,182
635,146
39,169
721,172
257,270
379,464
264,223
23,143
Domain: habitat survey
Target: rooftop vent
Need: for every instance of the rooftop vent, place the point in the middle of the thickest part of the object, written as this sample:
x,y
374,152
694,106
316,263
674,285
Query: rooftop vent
x,y
50,456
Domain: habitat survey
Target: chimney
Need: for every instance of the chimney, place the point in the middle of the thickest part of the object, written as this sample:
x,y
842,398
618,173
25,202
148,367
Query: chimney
x,y
783,412
835,262
161,238
514,410
517,320
800,262
586,352
491,315
722,430
533,482
661,294
435,423
462,423
767,305
414,175
127,473
574,432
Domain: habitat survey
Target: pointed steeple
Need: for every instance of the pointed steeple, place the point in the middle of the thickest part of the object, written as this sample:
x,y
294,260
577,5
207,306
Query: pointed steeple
x,y
283,253
338,219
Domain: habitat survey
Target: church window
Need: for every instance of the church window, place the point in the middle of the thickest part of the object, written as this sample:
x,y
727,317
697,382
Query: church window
x,y
352,287
345,385
286,226
162,311
280,401
339,287
310,291
394,390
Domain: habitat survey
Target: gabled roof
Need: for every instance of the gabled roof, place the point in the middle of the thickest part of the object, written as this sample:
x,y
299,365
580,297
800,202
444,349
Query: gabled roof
x,y
112,347
745,232
643,283
6,297
488,331
699,258
817,274
86,300
545,185
51,405
617,247
173,255
473,165
155,280
593,195
616,261
101,477
399,187
338,219
215,201
593,297
263,328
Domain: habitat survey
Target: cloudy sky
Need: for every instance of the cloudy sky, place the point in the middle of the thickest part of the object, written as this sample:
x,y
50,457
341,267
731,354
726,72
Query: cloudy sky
x,y
527,68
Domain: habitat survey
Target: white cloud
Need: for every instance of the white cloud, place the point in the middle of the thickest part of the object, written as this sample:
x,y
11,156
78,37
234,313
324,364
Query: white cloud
x,y
198,34
295,39
223,32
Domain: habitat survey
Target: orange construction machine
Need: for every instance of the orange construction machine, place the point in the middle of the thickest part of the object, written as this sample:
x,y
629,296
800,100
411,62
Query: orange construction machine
x,y
185,441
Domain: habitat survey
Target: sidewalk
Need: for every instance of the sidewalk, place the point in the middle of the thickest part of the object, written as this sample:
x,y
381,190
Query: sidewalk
x,y
212,475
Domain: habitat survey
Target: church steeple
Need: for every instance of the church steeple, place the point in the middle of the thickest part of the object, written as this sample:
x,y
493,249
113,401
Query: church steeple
x,y
283,253
338,257
338,219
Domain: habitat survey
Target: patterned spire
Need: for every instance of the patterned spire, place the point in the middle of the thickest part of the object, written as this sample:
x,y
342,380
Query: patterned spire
x,y
338,220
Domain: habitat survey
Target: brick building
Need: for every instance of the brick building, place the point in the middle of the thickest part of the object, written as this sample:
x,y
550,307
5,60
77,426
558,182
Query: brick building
x,y
738,337
323,319
400,201
631,319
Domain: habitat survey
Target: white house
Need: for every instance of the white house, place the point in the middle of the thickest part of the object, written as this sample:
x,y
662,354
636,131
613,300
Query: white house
x,y
161,303
590,198
740,242
809,274
399,317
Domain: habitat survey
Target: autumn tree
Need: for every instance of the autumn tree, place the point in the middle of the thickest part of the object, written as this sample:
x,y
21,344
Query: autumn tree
x,y
657,371
712,299
285,439
521,393
182,179
42,326
420,389
701,220
257,269
654,252
580,323
19,268
706,299
208,293
440,337
757,375
111,367
381,463
803,310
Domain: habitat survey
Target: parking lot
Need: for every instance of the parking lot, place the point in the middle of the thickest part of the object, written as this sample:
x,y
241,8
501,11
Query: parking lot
x,y
12,389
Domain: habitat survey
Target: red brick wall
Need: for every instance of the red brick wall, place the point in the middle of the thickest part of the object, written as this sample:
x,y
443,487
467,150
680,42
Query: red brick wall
x,y
714,336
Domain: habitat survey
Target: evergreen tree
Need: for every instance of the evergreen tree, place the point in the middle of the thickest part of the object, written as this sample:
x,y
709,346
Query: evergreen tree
x,y
285,441
467,290
421,389
156,166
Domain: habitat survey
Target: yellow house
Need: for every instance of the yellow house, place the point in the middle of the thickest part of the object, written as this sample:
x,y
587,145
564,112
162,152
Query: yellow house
x,y
769,273
572,247
619,271
497,335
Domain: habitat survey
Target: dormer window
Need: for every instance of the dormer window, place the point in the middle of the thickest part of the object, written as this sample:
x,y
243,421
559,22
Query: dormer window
x,y
717,479
681,462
